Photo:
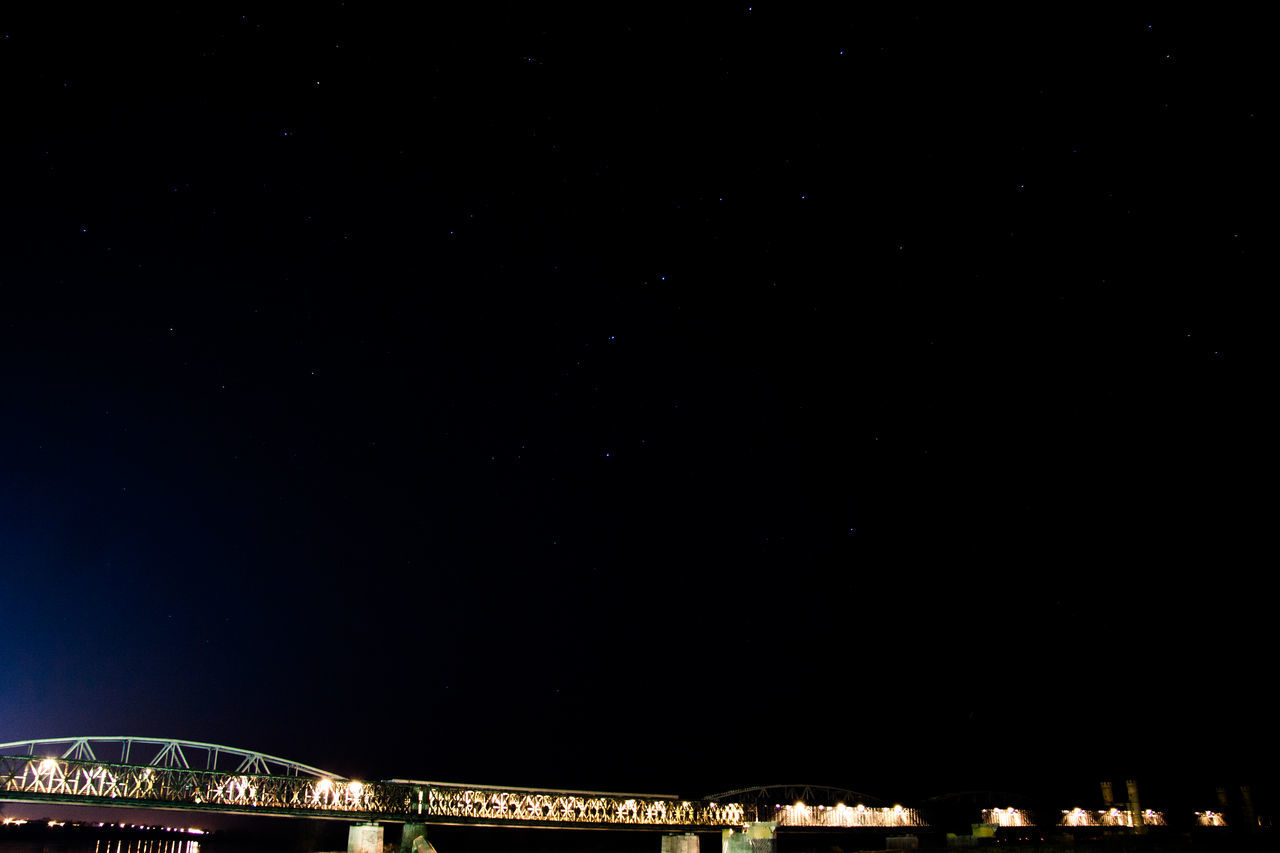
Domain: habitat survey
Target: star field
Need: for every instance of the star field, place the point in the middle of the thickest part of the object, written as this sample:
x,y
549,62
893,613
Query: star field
x,y
728,369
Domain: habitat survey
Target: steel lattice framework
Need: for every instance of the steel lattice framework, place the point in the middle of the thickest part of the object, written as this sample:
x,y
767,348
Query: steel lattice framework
x,y
169,782
489,805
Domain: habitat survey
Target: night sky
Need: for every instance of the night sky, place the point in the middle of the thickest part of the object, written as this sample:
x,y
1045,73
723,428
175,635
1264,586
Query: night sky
x,y
641,399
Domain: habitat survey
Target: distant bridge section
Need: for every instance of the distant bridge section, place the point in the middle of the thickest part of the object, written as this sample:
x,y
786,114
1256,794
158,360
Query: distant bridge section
x,y
819,806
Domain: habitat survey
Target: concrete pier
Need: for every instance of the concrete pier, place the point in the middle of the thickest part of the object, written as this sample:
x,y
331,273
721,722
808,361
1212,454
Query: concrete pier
x,y
413,839
754,837
684,843
365,838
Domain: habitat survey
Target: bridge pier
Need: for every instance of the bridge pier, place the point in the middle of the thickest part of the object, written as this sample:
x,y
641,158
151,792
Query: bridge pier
x,y
684,843
413,839
752,837
364,838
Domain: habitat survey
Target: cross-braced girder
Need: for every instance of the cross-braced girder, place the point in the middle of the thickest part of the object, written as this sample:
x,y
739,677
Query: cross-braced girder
x,y
165,752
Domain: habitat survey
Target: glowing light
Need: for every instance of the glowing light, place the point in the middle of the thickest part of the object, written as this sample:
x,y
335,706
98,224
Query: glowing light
x,y
1006,817
355,788
48,765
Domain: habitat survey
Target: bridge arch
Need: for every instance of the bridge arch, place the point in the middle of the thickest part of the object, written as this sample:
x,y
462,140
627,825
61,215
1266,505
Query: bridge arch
x,y
814,795
166,752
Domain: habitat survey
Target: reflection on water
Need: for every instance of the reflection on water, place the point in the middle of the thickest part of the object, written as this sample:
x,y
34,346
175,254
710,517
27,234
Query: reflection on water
x,y
102,845
58,837
146,845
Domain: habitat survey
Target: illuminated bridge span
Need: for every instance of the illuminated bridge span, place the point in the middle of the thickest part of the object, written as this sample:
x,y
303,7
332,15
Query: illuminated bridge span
x,y
171,774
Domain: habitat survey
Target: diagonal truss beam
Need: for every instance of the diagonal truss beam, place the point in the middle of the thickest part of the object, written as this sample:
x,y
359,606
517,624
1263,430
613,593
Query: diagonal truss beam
x,y
166,752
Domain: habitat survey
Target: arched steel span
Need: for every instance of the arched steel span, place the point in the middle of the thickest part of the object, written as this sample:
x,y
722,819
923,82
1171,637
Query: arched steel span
x,y
166,752
980,799
787,794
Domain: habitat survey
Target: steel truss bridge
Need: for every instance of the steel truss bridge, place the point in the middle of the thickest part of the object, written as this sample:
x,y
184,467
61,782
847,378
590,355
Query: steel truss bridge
x,y
174,774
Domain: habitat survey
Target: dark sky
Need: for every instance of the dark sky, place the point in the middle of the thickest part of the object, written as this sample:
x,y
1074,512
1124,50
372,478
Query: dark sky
x,y
644,399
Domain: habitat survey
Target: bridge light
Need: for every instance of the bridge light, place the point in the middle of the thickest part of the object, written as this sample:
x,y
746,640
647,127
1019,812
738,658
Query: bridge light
x,y
355,788
324,785
48,765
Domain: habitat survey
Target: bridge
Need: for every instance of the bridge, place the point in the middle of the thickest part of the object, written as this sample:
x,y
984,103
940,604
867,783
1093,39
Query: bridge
x,y
160,773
